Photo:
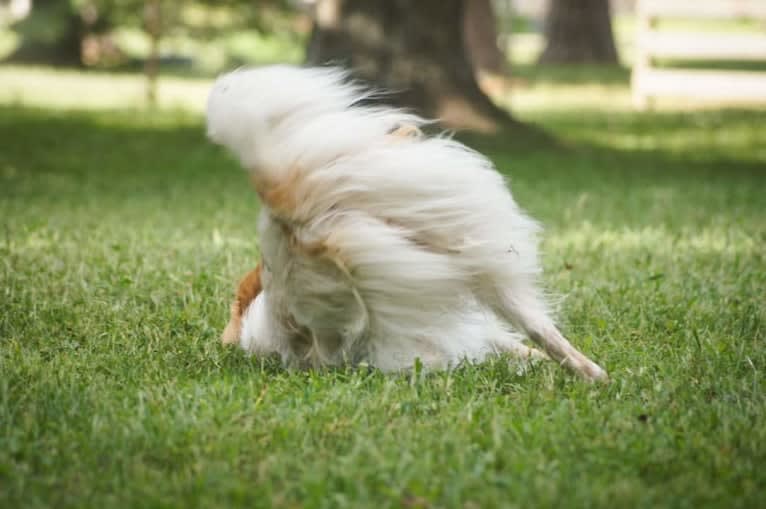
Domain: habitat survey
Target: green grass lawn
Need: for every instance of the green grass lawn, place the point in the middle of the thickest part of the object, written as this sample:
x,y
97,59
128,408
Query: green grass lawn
x,y
122,234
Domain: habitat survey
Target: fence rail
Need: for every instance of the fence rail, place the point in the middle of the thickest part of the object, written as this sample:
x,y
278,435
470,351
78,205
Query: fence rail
x,y
703,8
726,86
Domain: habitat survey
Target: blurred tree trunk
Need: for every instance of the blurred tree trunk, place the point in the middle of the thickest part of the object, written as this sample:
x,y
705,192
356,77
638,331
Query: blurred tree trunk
x,y
579,31
415,48
51,34
491,66
480,31
153,27
62,32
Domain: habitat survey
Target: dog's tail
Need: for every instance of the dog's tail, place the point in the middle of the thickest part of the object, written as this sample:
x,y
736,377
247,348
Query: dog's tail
x,y
285,121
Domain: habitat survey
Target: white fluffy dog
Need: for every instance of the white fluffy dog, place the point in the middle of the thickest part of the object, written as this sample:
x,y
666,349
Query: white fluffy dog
x,y
379,245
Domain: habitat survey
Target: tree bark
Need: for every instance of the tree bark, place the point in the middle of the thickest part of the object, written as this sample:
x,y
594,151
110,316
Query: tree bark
x,y
153,27
68,26
61,44
414,48
579,31
480,35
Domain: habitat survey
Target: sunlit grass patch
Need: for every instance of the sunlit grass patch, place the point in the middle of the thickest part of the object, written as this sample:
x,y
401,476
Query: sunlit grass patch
x,y
72,89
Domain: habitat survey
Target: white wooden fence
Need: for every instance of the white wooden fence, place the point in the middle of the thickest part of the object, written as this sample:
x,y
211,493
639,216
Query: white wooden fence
x,y
722,86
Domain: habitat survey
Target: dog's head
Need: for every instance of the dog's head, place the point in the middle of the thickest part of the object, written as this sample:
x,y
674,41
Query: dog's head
x,y
250,287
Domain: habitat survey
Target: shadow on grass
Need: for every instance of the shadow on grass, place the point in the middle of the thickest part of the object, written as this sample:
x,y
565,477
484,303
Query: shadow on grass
x,y
579,74
78,155
144,153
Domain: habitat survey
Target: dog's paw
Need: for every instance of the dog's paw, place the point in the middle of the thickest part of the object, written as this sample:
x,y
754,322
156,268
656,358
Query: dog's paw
x,y
595,373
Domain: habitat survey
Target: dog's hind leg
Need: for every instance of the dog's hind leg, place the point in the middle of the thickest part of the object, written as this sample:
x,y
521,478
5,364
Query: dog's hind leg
x,y
526,311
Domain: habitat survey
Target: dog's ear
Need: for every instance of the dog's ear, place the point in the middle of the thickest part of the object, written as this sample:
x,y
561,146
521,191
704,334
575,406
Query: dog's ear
x,y
248,289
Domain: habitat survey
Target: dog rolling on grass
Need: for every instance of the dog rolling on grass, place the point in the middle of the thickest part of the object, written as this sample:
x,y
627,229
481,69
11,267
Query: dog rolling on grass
x,y
379,244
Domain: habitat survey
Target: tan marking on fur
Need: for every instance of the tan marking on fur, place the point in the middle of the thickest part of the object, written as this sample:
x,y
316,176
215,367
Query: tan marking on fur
x,y
255,181
248,289
231,333
261,186
425,242
406,131
431,244
311,249
281,197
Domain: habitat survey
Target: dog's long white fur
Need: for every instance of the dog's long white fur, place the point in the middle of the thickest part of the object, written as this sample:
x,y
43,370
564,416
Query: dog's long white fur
x,y
377,248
